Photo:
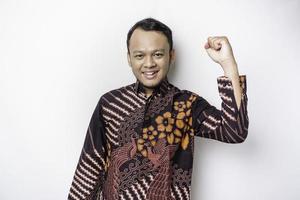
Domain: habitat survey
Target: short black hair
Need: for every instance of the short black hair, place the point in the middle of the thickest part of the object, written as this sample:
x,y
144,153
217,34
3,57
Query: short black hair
x,y
151,24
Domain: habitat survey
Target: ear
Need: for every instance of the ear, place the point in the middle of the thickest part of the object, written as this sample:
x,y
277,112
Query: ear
x,y
128,59
172,56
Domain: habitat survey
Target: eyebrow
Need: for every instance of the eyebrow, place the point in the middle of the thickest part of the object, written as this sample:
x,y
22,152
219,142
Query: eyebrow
x,y
139,51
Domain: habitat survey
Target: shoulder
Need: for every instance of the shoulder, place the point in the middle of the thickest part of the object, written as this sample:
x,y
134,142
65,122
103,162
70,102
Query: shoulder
x,y
111,95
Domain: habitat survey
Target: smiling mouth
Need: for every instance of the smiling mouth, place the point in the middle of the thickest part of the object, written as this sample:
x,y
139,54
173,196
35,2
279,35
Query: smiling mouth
x,y
150,75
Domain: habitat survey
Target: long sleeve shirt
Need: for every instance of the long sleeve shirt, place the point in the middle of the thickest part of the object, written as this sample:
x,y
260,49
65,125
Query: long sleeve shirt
x,y
141,148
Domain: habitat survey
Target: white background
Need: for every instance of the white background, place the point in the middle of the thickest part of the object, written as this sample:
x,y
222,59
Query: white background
x,y
58,57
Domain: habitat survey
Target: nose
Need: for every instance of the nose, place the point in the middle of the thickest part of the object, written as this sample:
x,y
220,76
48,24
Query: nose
x,y
149,62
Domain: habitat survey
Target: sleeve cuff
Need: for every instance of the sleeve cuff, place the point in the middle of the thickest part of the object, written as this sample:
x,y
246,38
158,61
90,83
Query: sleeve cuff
x,y
224,81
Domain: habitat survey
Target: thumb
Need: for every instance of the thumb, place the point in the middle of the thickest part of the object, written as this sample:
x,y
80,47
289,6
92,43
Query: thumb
x,y
212,54
209,50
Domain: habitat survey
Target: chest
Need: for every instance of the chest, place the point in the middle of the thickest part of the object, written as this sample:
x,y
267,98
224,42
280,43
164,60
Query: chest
x,y
152,123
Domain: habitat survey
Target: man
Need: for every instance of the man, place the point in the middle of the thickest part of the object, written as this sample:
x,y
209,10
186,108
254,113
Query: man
x,y
140,140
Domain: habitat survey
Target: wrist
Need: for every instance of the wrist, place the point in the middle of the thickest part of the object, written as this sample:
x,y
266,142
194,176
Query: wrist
x,y
228,63
230,68
231,73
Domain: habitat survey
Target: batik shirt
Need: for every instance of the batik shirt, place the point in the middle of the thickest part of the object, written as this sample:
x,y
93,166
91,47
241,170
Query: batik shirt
x,y
141,148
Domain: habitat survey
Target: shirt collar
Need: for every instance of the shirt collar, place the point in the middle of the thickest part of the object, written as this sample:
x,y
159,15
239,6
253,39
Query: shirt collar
x,y
162,88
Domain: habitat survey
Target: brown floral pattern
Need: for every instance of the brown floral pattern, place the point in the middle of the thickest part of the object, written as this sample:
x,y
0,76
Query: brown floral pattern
x,y
141,147
180,106
171,128
150,133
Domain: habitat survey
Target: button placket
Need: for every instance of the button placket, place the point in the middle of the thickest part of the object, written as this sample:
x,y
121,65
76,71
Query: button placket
x,y
145,116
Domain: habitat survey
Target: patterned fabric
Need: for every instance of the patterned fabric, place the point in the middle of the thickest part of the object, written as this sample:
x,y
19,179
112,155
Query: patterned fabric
x,y
142,148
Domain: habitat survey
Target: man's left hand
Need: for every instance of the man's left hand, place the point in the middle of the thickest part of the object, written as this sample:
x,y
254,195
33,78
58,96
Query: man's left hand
x,y
220,51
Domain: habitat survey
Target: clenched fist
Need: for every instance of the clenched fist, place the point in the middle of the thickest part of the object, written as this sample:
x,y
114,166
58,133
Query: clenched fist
x,y
220,51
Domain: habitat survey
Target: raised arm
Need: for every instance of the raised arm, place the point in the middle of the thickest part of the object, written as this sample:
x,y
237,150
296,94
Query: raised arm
x,y
220,51
229,124
91,168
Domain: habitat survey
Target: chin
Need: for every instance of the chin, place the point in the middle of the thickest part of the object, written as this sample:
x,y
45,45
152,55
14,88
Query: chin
x,y
151,84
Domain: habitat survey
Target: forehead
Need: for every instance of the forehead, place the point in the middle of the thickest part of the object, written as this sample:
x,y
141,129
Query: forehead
x,y
148,40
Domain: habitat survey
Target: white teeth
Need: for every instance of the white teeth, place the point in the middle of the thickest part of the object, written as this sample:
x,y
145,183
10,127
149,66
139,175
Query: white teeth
x,y
149,73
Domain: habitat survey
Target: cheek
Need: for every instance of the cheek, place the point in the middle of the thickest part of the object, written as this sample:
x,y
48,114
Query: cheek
x,y
136,65
165,64
166,61
136,70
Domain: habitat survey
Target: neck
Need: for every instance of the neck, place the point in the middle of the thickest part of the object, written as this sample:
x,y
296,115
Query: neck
x,y
148,91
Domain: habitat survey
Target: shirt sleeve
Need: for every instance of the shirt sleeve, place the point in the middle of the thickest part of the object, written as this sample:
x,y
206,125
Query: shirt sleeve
x,y
91,168
230,124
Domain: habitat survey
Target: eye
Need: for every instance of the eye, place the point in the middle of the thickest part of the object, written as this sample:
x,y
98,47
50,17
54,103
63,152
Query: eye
x,y
158,55
138,56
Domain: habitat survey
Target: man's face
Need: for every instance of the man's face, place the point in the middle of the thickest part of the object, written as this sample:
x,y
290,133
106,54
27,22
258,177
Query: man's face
x,y
149,57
